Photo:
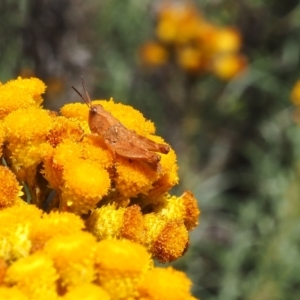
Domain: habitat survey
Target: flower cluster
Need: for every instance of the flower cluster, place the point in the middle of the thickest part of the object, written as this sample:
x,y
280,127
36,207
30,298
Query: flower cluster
x,y
194,44
50,256
92,221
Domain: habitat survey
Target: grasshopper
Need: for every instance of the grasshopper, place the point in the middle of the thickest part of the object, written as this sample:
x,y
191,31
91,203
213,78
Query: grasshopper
x,y
119,139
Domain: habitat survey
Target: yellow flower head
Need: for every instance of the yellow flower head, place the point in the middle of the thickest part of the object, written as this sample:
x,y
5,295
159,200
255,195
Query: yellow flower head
x,y
120,266
182,208
88,291
20,93
178,23
34,275
134,178
226,40
63,128
77,111
226,66
84,186
166,239
108,222
26,132
94,150
73,257
64,155
10,190
166,283
15,224
51,225
27,125
171,242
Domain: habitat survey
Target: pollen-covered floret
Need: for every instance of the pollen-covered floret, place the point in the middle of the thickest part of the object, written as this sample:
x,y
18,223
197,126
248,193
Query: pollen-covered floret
x,y
34,275
10,190
73,256
120,266
20,93
165,284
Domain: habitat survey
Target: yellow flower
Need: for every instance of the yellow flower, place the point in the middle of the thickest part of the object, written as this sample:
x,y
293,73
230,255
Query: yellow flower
x,y
134,177
15,224
93,149
63,128
295,93
182,208
178,23
108,222
34,275
166,239
84,186
27,125
73,256
88,291
153,54
226,66
133,224
121,265
26,132
165,284
54,164
20,93
10,191
225,40
77,111
51,225
12,293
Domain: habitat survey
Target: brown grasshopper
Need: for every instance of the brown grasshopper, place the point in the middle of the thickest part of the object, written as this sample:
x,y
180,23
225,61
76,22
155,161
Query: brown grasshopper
x,y
118,139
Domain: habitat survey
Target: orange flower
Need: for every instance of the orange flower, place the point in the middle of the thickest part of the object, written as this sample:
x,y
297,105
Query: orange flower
x,y
153,54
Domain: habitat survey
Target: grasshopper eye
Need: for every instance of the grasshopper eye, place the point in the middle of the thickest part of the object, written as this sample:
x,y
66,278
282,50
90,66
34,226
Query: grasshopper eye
x,y
93,109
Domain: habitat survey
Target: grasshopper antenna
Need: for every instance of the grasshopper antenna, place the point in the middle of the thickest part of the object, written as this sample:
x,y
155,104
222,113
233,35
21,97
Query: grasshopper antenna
x,y
85,91
87,100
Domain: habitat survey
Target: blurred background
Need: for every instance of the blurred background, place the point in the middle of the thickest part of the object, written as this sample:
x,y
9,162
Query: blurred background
x,y
218,79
